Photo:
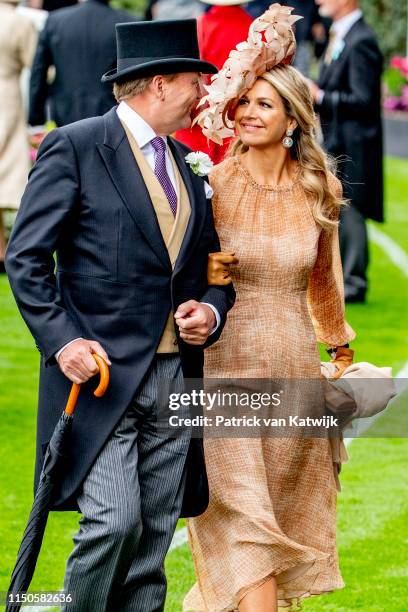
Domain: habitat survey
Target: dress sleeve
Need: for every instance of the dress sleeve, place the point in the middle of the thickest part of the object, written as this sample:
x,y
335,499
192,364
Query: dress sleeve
x,y
27,43
325,290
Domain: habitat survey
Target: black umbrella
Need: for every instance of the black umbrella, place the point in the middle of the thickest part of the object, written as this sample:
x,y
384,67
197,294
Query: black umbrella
x,y
53,462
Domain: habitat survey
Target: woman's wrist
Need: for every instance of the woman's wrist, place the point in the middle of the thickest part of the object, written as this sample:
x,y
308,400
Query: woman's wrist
x,y
332,350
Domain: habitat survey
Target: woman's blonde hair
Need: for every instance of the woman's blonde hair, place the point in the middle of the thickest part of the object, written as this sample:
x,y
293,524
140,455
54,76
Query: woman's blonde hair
x,y
315,165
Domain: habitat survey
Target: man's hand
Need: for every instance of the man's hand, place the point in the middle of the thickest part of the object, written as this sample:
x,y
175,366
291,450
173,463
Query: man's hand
x,y
196,321
76,360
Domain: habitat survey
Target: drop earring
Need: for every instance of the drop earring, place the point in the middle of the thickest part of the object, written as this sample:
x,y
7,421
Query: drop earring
x,y
288,140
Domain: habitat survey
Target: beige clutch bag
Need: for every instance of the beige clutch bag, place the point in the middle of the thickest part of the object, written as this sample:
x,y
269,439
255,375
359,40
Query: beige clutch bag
x,y
362,391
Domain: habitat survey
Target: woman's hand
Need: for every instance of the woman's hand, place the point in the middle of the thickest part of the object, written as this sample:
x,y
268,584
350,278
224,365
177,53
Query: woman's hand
x,y
218,272
343,359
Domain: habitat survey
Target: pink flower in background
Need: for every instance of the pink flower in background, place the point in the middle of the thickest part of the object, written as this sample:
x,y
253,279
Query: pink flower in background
x,y
395,85
35,137
396,62
401,64
404,97
392,103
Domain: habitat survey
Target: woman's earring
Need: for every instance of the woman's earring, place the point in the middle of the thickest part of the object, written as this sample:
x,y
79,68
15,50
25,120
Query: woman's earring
x,y
288,140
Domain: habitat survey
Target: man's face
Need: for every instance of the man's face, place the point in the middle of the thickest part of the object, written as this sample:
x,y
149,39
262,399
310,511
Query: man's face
x,y
331,8
181,97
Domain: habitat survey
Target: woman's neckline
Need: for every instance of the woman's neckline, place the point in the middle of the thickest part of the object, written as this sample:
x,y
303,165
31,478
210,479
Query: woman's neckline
x,y
269,187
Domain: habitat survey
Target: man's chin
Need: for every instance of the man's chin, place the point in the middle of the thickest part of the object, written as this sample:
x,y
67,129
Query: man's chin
x,y
324,12
186,123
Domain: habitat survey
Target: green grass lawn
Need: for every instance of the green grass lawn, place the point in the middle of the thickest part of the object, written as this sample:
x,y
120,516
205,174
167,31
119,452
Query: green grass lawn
x,y
373,506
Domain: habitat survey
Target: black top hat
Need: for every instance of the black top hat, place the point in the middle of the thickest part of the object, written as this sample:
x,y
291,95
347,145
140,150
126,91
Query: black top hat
x,y
146,48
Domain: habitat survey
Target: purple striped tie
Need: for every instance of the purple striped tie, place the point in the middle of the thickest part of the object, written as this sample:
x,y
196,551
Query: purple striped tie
x,y
160,171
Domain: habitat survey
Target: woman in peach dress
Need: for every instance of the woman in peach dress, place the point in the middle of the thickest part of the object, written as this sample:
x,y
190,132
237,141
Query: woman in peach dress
x,y
268,537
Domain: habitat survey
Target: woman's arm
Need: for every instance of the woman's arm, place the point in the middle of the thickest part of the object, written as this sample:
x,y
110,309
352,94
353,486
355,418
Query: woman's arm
x,y
326,290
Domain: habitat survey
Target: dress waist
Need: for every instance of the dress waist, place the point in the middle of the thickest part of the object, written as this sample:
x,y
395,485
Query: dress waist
x,y
249,290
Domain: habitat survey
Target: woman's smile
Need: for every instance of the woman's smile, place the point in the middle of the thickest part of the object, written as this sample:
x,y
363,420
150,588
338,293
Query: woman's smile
x,y
250,127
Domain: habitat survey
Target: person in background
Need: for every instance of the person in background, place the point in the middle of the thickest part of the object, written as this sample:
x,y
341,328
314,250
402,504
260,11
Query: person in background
x,y
258,7
18,38
148,15
174,9
79,41
308,31
348,100
35,13
219,30
38,17
54,5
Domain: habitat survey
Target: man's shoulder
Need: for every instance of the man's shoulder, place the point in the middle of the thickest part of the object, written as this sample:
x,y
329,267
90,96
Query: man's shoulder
x,y
361,32
99,10
85,131
64,13
90,123
108,13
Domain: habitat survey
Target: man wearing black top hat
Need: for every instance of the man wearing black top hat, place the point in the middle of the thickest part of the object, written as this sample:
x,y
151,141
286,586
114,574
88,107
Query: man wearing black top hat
x,y
131,225
79,42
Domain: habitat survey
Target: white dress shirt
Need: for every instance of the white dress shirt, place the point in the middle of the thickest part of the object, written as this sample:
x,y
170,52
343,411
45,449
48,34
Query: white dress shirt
x,y
143,133
342,26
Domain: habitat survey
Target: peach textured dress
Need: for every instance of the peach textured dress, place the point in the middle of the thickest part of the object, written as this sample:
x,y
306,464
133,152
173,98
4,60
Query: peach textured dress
x,y
272,507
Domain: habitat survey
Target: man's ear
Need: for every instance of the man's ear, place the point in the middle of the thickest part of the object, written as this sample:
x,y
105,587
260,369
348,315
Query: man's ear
x,y
158,86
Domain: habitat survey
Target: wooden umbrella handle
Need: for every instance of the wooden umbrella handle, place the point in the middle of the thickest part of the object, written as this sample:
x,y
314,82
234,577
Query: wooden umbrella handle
x,y
104,374
99,391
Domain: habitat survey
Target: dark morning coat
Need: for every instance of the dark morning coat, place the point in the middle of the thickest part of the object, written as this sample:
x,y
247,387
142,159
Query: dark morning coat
x,y
80,41
350,114
113,282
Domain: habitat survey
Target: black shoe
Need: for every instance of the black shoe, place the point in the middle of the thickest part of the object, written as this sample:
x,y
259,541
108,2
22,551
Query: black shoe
x,y
2,268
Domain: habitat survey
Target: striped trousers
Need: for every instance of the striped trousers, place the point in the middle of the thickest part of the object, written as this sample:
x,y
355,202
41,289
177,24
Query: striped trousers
x,y
130,502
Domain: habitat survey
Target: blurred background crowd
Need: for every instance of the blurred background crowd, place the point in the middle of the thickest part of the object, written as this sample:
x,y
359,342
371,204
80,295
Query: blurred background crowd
x,y
53,53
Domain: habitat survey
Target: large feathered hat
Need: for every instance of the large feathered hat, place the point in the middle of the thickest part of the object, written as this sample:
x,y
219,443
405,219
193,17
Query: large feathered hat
x,y
271,41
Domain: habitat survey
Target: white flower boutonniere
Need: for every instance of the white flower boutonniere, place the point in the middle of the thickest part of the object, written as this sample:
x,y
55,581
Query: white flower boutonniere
x,y
199,162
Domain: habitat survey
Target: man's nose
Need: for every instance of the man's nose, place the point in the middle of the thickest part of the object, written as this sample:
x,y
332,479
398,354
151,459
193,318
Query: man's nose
x,y
200,86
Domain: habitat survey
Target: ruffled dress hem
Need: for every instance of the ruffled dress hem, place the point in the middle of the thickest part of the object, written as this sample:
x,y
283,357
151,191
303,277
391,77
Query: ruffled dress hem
x,y
290,601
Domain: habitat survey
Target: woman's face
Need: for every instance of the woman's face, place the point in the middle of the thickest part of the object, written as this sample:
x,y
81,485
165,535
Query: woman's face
x,y
260,118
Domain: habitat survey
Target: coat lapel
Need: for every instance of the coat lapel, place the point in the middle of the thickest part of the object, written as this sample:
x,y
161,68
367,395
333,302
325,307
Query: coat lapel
x,y
324,71
328,73
195,188
127,178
